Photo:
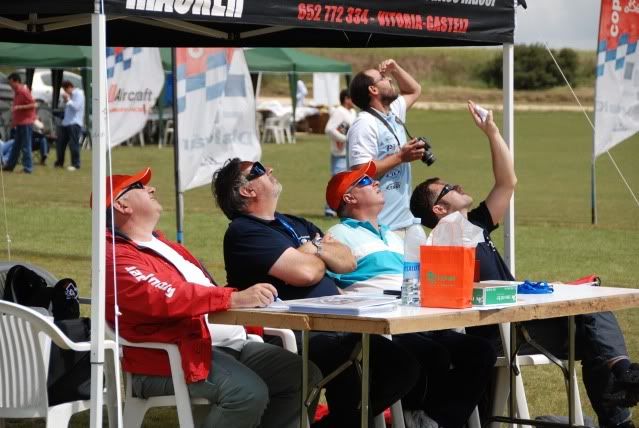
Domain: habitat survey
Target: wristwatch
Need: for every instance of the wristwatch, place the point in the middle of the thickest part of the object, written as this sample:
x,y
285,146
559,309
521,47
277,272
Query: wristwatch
x,y
318,244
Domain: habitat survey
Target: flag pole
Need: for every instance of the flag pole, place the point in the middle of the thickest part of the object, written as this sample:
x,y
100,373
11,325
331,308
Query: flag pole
x,y
179,195
593,175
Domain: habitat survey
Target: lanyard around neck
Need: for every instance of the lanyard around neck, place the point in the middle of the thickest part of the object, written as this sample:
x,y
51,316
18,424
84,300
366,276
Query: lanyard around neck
x,y
376,114
289,229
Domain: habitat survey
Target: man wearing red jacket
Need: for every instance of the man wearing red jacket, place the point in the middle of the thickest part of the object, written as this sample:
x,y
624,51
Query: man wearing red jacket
x,y
163,294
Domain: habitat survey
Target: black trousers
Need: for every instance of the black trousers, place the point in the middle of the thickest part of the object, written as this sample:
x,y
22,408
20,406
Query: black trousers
x,y
598,339
393,373
455,371
68,135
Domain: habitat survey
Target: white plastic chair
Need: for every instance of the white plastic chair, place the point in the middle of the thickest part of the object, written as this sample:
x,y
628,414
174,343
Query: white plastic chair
x,y
278,129
135,408
168,131
25,344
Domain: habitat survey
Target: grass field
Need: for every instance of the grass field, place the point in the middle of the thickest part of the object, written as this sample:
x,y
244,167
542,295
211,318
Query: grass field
x,y
447,74
47,216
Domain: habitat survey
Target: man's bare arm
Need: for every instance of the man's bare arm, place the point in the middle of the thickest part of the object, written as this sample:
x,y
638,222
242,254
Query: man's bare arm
x,y
498,199
408,86
411,151
336,256
297,268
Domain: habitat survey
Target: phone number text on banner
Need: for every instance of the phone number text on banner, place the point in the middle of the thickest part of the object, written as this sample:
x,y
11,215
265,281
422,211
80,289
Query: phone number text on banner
x,y
359,17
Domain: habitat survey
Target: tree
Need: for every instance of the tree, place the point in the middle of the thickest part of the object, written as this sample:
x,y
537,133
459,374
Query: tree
x,y
534,68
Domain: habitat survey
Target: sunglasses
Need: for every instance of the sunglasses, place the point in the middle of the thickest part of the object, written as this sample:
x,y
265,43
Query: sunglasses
x,y
376,81
136,185
256,171
445,190
362,182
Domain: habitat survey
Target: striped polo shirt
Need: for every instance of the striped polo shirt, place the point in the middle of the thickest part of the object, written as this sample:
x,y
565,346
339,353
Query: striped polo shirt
x,y
379,254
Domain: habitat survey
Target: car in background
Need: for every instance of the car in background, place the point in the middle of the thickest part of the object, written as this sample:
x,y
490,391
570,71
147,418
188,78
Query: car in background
x,y
42,89
6,98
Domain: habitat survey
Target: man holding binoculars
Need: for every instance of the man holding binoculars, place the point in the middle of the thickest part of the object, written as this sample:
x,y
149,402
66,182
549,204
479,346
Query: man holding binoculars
x,y
379,134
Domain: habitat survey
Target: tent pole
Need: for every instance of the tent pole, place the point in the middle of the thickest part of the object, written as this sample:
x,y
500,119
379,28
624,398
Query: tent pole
x,y
258,86
179,194
98,216
292,82
509,136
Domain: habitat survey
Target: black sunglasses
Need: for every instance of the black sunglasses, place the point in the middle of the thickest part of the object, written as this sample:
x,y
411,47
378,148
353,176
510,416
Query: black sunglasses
x,y
136,185
257,170
445,190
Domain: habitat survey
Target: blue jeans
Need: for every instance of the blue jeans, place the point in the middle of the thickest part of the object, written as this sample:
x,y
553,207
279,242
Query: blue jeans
x,y
22,143
338,164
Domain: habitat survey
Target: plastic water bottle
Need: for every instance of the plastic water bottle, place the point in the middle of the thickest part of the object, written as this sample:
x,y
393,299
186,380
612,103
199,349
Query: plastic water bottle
x,y
415,237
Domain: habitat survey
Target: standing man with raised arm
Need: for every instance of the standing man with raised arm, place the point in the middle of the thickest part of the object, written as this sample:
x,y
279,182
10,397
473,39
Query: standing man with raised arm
x,y
378,134
71,129
291,253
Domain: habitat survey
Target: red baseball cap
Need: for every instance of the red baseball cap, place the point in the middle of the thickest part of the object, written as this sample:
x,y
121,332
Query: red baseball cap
x,y
121,182
340,183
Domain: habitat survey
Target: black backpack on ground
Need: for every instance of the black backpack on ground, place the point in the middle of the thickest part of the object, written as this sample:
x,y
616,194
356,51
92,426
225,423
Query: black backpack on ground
x,y
69,376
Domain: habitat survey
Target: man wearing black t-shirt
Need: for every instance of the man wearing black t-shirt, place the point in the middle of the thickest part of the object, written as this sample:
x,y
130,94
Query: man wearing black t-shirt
x,y
293,255
611,380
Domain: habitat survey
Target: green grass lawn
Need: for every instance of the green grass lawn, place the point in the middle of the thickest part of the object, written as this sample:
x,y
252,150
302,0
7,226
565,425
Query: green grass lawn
x,y
46,215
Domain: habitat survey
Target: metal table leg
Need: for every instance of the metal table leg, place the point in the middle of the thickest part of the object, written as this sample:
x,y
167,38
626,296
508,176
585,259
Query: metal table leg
x,y
513,374
303,412
571,371
365,376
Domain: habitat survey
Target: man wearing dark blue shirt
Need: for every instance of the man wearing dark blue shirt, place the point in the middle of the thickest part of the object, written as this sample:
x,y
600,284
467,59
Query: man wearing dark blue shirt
x,y
611,380
293,255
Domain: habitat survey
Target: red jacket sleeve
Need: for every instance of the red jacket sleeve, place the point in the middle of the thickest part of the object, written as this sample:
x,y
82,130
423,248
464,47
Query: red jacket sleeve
x,y
159,292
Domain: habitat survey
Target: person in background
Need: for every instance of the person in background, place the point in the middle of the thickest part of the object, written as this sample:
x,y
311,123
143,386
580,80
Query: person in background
x,y
378,135
611,379
340,121
72,124
23,115
164,295
40,141
447,358
300,93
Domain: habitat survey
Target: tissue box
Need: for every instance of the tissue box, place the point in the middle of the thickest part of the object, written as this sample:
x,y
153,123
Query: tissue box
x,y
494,293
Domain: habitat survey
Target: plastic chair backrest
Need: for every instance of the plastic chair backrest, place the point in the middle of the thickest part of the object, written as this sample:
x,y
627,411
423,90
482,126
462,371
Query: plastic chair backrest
x,y
24,356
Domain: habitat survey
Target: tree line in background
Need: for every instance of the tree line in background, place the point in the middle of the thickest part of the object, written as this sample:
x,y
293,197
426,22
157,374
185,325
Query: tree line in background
x,y
535,68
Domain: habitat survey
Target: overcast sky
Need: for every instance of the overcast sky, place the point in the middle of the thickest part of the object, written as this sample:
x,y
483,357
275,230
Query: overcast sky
x,y
560,23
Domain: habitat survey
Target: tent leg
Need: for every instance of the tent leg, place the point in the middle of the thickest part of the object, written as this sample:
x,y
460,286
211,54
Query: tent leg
x,y
509,136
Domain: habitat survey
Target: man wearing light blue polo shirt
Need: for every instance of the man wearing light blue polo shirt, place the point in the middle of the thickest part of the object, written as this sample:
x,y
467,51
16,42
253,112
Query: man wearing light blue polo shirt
x,y
379,252
72,124
378,135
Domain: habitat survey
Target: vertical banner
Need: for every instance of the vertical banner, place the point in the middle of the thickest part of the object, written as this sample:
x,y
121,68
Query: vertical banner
x,y
216,112
617,87
135,79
